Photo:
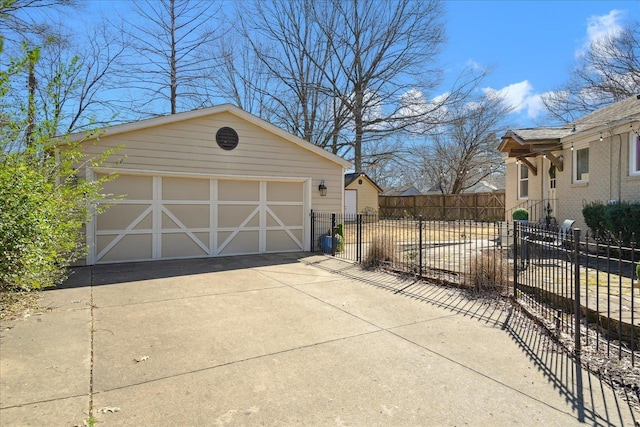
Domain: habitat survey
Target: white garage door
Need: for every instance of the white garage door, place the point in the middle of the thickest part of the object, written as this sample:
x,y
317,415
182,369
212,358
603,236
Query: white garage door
x,y
179,217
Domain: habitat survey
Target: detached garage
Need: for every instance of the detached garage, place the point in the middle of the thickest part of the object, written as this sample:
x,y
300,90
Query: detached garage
x,y
208,183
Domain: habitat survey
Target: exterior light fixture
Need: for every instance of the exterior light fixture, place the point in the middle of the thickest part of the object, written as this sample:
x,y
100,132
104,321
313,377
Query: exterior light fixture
x,y
322,188
600,136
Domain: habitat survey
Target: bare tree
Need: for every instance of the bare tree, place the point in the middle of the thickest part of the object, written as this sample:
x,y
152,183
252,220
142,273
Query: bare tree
x,y
76,77
380,52
168,57
344,74
464,151
64,85
288,56
609,71
20,20
239,77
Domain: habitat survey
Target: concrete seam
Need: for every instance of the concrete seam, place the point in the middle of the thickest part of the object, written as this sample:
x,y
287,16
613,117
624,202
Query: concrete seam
x,y
234,362
91,357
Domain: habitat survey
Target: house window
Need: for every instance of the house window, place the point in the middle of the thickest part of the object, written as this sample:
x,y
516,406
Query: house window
x,y
552,176
581,165
523,182
634,154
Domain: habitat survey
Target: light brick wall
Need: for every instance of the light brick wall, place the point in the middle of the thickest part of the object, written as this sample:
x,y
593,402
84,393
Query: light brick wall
x,y
608,178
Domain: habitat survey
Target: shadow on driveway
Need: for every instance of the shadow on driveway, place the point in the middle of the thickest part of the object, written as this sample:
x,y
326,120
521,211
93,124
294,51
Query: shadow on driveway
x,y
582,389
109,274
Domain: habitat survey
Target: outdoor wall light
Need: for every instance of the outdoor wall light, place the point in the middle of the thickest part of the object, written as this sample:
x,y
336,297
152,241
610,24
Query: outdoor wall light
x,y
322,188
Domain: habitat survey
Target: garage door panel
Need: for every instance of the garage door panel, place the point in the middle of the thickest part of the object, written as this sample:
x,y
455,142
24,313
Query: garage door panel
x,y
231,216
280,240
240,191
284,192
181,217
185,189
179,245
191,216
131,186
288,215
240,242
120,216
127,248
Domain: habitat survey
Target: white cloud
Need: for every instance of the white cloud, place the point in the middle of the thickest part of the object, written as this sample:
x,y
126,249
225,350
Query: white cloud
x,y
520,97
601,26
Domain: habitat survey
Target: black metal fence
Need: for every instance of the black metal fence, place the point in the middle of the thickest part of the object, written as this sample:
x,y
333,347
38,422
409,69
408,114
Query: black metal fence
x,y
447,251
579,287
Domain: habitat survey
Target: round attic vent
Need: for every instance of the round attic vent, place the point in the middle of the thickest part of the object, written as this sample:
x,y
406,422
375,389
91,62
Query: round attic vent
x,y
227,138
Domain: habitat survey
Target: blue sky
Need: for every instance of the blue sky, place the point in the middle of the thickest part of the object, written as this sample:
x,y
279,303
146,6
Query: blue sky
x,y
532,44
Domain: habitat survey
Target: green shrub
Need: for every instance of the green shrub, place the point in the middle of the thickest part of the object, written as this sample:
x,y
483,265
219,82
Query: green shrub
x,y
43,204
638,271
617,220
593,214
44,209
520,214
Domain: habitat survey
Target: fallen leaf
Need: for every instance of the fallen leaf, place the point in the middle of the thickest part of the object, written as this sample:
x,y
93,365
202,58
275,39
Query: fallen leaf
x,y
108,409
141,359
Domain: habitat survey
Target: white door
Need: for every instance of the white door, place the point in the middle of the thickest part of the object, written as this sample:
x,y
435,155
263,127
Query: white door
x,y
164,217
350,202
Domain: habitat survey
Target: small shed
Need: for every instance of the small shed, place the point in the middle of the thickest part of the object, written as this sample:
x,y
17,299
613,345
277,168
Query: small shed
x,y
360,194
206,183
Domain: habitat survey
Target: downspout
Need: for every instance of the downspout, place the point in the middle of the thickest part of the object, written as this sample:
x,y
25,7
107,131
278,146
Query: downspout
x,y
621,169
610,168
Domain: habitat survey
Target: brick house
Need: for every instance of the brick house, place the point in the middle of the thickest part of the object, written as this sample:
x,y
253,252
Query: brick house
x,y
556,171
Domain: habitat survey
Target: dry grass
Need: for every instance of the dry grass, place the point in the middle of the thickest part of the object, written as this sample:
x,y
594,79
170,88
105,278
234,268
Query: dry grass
x,y
18,303
408,231
490,272
382,251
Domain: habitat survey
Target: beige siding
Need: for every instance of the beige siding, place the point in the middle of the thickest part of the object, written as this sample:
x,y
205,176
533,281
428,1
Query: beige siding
x,y
537,186
367,195
189,147
511,188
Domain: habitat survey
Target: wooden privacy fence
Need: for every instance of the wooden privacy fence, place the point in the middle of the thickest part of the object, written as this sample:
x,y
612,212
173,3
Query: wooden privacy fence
x,y
472,206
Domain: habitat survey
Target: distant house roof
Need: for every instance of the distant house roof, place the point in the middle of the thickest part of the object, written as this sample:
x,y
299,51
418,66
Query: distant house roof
x,y
533,142
481,187
406,190
350,177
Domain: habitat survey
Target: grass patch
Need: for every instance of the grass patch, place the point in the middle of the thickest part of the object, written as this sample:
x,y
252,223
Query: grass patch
x,y
382,251
490,272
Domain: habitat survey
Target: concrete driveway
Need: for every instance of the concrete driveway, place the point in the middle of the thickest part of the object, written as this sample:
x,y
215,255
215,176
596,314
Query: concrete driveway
x,y
283,340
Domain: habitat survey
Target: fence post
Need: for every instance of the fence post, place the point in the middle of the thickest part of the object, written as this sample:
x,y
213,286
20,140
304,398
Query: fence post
x,y
359,237
576,280
515,257
333,234
420,247
313,230
475,206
